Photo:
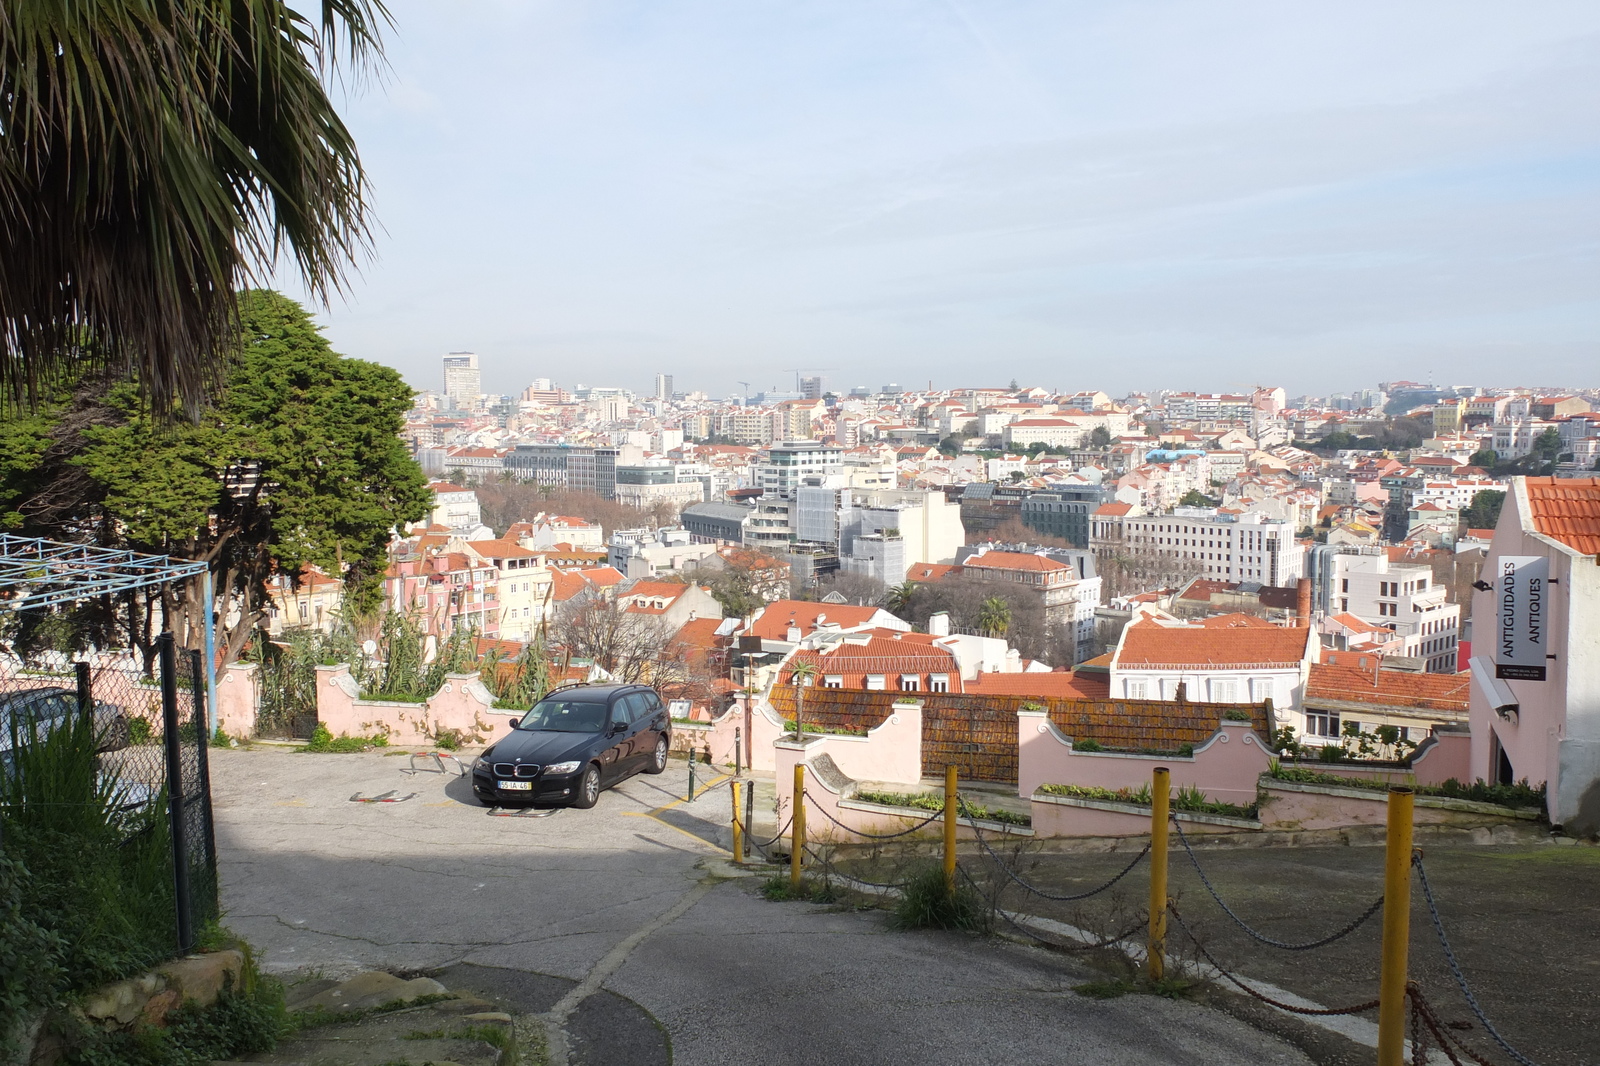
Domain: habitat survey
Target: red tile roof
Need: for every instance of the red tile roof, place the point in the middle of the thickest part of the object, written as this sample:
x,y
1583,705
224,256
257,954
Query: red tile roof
x,y
1151,644
1114,508
1394,688
1236,620
929,571
779,615
1568,510
1014,561
1057,684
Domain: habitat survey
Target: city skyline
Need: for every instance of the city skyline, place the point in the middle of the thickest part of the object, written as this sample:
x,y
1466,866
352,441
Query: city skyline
x,y
1223,195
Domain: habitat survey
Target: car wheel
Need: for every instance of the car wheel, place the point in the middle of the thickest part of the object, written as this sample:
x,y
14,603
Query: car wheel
x,y
658,761
588,788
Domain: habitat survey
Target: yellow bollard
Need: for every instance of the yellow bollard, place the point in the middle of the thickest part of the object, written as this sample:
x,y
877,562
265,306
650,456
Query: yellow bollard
x,y
738,829
1160,804
950,804
797,837
1396,929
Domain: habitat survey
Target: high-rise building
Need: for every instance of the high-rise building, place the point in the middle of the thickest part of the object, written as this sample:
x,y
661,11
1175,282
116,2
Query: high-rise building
x,y
663,386
461,379
811,388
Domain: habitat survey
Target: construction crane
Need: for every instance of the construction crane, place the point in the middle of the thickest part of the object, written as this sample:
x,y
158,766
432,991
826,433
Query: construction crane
x,y
746,385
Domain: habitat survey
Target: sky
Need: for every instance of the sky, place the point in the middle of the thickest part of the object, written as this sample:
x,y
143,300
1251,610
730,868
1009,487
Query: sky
x,y
1116,195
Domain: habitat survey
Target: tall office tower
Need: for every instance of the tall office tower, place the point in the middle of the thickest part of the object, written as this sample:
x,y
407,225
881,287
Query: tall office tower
x,y
461,382
811,388
663,386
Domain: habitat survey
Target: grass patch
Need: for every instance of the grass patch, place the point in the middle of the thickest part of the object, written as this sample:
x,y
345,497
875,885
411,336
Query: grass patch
x,y
323,741
496,1035
1520,794
928,903
833,731
778,889
1169,987
1188,798
934,801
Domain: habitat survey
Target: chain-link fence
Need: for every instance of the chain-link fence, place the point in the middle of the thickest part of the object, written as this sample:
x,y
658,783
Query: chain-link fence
x,y
149,751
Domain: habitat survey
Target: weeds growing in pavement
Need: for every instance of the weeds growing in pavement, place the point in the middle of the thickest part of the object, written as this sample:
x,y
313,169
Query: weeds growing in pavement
x,y
323,741
928,902
778,889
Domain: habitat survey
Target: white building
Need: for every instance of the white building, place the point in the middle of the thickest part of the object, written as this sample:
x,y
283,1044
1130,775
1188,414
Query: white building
x,y
454,507
462,382
785,466
648,552
1232,658
1402,597
1227,547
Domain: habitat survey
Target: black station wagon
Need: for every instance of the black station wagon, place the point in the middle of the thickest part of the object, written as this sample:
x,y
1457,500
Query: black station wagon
x,y
576,742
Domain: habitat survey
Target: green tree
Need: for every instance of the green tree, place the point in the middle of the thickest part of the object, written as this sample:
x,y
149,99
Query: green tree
x,y
1484,510
994,617
1487,458
297,463
951,446
1196,498
1547,445
155,158
804,673
898,598
1099,437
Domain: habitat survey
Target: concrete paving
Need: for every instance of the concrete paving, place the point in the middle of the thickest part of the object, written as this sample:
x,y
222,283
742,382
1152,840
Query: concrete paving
x,y
614,925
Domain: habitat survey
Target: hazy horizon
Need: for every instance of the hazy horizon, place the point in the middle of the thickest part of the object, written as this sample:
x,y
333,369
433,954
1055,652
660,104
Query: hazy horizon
x,y
1115,196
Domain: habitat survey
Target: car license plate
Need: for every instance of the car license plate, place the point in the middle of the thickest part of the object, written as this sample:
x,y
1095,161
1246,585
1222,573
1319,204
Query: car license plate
x,y
517,786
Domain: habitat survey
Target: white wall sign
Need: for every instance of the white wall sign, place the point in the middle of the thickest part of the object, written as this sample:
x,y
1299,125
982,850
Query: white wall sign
x,y
1522,610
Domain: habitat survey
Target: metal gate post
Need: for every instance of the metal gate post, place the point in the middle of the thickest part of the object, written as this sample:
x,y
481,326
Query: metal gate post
x,y
202,717
1156,949
168,654
85,692
1396,928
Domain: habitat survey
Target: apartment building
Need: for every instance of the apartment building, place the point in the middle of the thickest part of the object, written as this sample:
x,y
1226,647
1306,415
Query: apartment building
x,y
1402,597
647,484
786,466
1225,546
1070,589
522,585
1232,658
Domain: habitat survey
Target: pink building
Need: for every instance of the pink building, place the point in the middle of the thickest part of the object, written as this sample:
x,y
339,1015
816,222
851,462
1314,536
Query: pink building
x,y
1536,647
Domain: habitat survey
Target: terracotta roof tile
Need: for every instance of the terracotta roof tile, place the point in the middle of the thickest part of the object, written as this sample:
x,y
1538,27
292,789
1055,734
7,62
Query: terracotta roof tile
x,y
1151,644
1394,688
1568,510
1013,561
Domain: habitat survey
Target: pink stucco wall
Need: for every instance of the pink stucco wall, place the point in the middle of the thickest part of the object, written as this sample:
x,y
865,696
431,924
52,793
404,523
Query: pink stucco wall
x,y
1225,767
462,703
891,752
238,699
1053,816
1288,806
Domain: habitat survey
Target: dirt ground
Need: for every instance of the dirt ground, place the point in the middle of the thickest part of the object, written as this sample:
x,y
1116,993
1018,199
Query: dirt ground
x,y
1524,922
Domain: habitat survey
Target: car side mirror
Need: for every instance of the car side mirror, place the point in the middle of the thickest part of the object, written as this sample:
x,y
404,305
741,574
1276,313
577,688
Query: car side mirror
x,y
515,722
616,727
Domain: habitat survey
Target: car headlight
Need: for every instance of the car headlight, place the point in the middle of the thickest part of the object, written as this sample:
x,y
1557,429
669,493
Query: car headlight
x,y
480,763
562,767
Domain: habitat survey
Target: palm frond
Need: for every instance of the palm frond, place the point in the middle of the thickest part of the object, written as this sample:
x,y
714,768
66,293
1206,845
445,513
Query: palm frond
x,y
155,157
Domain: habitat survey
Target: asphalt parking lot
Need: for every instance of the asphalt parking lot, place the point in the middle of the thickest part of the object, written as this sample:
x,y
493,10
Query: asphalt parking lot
x,y
625,918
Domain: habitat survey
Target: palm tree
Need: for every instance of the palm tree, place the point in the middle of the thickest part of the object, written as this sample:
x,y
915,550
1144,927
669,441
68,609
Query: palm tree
x,y
898,599
803,674
156,157
994,617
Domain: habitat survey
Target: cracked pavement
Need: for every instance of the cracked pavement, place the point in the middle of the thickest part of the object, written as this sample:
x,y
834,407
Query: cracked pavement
x,y
611,925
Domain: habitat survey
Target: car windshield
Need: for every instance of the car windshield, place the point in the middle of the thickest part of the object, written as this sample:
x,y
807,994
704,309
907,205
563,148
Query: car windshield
x,y
565,716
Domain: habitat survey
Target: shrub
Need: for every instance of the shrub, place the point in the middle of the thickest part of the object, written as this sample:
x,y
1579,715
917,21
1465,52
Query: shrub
x,y
448,739
241,1022
30,959
1087,745
1236,716
1520,794
99,872
929,903
778,889
139,731
322,740
934,801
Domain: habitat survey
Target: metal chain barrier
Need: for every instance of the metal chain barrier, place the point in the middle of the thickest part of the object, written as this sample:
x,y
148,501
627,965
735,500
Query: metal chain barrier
x,y
1034,889
841,875
761,845
1448,1042
1055,945
1263,997
1455,967
871,836
1351,927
